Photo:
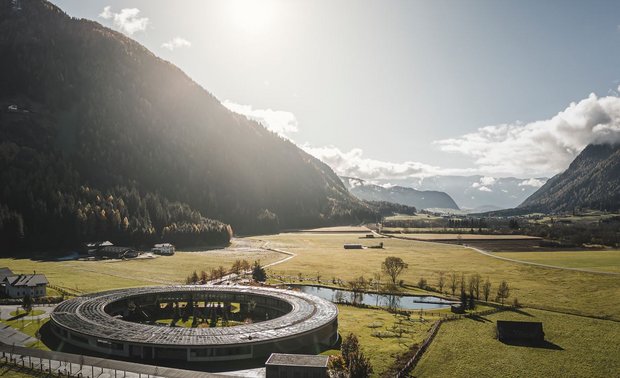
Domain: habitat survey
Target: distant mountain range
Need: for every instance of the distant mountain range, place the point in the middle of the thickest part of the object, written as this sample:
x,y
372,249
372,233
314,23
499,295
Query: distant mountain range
x,y
591,181
100,138
474,193
398,194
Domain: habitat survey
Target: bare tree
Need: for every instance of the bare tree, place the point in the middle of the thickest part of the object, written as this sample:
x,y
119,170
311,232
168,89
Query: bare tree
x,y
476,283
441,281
393,267
453,282
486,289
503,291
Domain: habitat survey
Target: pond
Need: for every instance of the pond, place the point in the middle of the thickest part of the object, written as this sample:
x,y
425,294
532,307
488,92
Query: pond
x,y
406,302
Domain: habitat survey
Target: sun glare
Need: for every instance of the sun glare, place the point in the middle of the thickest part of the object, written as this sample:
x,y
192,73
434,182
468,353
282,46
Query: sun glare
x,y
252,15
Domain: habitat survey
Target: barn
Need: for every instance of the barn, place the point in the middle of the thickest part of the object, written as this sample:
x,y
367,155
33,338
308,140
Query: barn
x,y
513,332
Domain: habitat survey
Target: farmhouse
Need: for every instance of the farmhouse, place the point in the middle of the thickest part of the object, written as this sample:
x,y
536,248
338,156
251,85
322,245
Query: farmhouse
x,y
296,365
165,249
20,285
116,252
520,332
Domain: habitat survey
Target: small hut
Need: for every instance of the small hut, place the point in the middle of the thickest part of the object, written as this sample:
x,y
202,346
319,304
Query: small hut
x,y
520,332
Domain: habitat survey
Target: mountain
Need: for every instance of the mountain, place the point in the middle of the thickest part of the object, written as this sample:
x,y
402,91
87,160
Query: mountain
x,y
398,194
591,181
100,138
476,193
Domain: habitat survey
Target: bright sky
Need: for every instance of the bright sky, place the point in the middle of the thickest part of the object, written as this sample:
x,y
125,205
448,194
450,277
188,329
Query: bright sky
x,y
382,89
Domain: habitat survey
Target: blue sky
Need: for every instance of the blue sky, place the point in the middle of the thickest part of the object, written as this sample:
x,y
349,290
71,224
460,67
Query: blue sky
x,y
396,89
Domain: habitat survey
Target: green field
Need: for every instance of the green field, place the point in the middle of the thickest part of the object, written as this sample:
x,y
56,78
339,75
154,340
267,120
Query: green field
x,y
578,347
462,347
24,313
604,261
384,346
537,286
90,276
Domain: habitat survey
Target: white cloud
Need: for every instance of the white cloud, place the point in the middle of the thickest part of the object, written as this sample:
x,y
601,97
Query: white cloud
x,y
127,20
354,164
533,182
541,147
278,121
484,183
175,43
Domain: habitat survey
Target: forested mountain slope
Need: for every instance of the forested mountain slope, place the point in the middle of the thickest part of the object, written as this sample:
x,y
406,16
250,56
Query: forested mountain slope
x,y
99,138
591,181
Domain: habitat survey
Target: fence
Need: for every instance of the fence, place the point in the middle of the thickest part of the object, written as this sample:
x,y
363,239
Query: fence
x,y
73,365
411,364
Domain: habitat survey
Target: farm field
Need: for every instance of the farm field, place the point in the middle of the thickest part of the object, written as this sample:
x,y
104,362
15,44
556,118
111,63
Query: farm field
x,y
604,261
535,286
89,276
578,347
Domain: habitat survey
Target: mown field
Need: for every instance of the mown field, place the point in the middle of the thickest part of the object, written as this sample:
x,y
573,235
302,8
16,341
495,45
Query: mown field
x,y
89,276
536,286
604,261
578,347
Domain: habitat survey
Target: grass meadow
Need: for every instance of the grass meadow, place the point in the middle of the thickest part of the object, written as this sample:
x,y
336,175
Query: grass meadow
x,y
604,261
578,347
553,289
89,276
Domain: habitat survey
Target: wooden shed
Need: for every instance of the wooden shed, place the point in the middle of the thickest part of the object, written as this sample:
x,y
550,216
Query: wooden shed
x,y
520,332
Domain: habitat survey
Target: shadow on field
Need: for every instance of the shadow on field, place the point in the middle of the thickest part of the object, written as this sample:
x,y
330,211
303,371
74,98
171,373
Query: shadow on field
x,y
521,312
541,345
18,316
479,318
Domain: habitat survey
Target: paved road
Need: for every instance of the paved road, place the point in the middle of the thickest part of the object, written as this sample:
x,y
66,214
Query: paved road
x,y
12,336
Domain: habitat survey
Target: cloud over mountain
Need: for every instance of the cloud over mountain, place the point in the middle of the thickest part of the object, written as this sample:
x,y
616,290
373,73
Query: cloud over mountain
x,y
541,147
176,42
127,20
278,121
353,163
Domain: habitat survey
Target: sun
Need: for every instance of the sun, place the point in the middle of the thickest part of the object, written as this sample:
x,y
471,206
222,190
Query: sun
x,y
252,15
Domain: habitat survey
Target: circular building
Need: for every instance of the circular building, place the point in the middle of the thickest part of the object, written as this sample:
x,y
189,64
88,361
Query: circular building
x,y
129,322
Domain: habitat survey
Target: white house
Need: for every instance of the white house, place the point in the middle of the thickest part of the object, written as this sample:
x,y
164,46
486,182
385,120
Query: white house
x,y
20,285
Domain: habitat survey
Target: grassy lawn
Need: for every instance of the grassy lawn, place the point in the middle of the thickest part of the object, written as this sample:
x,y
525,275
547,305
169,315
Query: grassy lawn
x,y
29,327
536,286
90,276
604,261
31,313
375,331
584,347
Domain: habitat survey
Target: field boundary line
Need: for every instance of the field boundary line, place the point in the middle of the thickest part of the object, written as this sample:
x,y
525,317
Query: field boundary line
x,y
539,264
489,254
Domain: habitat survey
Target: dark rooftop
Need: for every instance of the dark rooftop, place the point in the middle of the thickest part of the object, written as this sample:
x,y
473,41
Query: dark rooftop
x,y
281,359
5,272
87,315
29,280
